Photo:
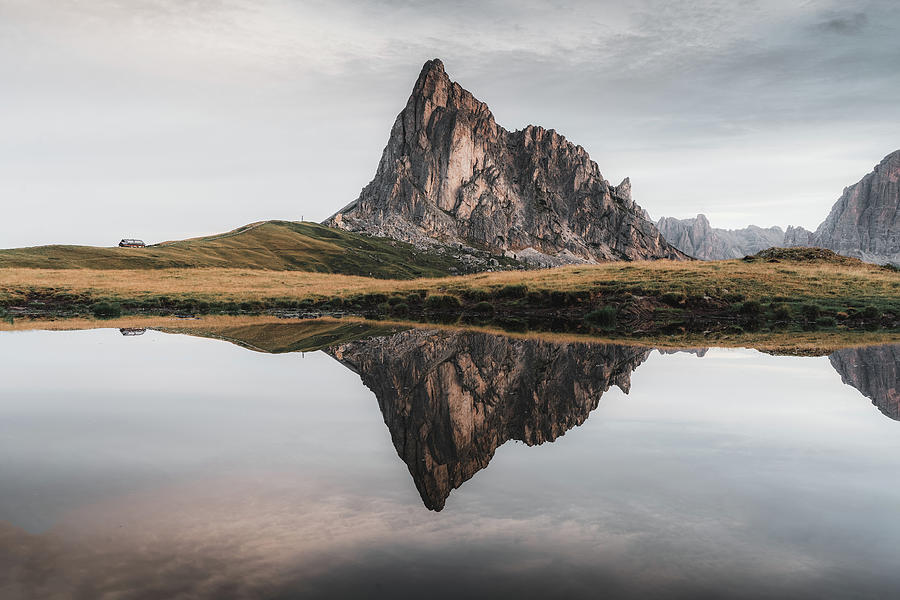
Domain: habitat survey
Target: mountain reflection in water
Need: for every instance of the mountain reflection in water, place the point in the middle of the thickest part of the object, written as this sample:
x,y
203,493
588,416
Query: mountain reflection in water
x,y
233,474
450,399
874,371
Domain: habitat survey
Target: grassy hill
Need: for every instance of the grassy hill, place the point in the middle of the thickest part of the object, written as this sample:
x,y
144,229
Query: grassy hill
x,y
270,245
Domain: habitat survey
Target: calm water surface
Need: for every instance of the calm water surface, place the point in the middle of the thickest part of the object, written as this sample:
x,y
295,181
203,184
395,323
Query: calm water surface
x,y
443,464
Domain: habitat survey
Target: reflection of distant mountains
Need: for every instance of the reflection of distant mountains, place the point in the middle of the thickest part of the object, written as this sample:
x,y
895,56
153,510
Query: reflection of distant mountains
x,y
874,371
450,399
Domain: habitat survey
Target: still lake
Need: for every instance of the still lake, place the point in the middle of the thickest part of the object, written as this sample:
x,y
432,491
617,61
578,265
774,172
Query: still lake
x,y
443,464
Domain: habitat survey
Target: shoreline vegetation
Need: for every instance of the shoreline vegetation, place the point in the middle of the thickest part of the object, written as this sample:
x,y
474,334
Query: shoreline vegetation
x,y
778,291
275,335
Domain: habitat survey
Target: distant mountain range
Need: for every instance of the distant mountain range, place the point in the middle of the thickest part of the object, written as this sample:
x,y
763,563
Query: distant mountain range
x,y
450,175
864,223
698,239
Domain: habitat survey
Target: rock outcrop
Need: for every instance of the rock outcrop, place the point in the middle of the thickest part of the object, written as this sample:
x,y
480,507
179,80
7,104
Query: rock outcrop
x,y
695,237
451,175
875,372
450,399
865,221
798,236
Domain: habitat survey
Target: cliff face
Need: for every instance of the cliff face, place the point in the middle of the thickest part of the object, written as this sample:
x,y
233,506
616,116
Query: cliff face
x,y
875,372
450,399
865,221
695,237
450,174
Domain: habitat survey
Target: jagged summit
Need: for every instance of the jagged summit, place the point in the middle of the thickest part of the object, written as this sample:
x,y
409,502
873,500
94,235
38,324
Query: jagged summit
x,y
450,175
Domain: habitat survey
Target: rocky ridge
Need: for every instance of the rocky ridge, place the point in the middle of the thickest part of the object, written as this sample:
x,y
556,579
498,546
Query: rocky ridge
x,y
450,175
865,221
695,237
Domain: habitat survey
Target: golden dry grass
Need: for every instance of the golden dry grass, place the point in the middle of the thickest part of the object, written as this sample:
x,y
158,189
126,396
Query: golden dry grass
x,y
862,283
211,284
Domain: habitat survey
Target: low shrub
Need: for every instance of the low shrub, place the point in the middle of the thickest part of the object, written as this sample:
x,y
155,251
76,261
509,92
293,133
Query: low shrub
x,y
870,312
782,312
401,308
579,296
442,302
251,306
483,307
475,295
751,322
512,291
673,298
335,302
604,317
751,307
536,298
106,310
373,298
811,311
558,299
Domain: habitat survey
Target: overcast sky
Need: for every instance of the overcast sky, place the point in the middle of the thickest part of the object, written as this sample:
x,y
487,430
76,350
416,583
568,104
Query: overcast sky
x,y
163,119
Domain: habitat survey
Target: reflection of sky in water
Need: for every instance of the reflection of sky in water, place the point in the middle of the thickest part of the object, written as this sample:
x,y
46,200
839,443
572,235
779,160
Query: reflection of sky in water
x,y
165,465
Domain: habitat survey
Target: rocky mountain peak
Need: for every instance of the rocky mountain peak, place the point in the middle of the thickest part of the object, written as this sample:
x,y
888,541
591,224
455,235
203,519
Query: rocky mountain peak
x,y
623,190
434,89
450,175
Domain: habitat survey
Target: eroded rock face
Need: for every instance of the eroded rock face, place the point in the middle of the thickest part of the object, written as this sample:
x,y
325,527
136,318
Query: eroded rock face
x,y
875,372
695,237
450,399
798,236
449,174
865,221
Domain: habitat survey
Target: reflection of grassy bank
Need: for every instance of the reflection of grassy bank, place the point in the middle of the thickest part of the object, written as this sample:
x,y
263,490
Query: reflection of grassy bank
x,y
642,298
270,334
289,336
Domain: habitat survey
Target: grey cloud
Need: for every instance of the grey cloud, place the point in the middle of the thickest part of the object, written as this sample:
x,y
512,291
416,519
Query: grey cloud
x,y
848,24
181,98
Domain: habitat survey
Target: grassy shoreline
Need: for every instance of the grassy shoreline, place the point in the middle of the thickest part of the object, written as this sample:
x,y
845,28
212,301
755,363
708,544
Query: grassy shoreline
x,y
282,335
790,292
